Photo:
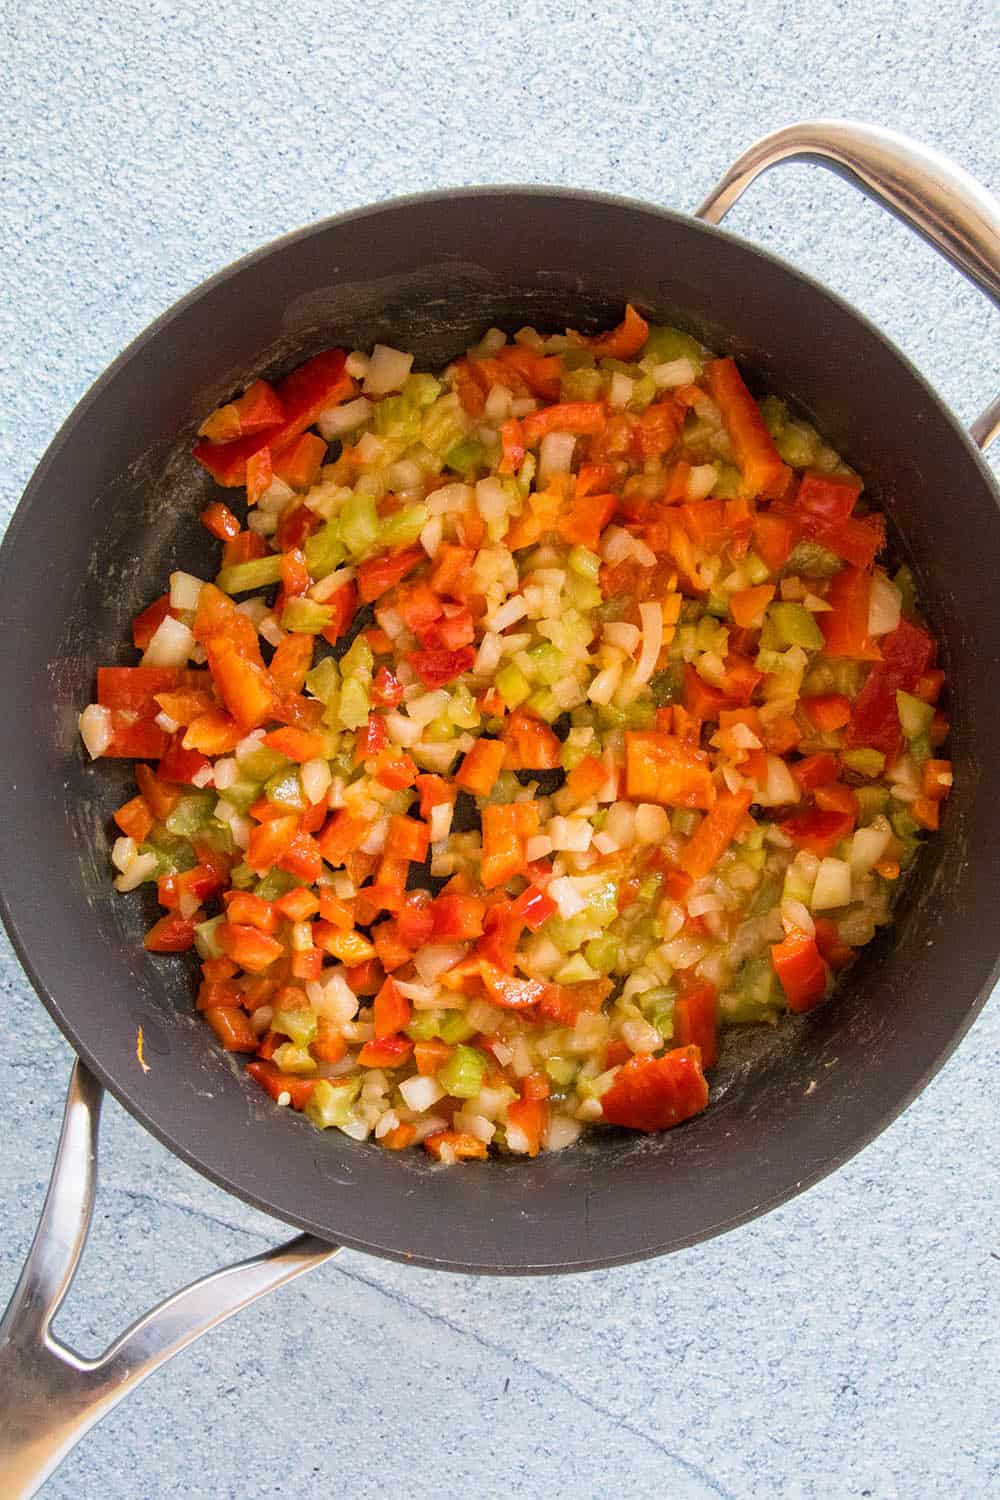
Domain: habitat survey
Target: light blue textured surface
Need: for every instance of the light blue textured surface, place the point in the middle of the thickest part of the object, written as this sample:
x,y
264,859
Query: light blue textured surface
x,y
845,1346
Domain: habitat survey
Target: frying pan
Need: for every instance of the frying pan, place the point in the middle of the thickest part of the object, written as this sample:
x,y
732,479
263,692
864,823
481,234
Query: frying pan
x,y
111,510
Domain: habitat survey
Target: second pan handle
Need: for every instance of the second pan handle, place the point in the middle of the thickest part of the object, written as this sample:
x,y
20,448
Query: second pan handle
x,y
929,193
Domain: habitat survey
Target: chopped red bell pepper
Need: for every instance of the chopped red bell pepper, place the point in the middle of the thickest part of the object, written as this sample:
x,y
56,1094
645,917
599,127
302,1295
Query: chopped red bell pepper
x,y
714,834
656,1093
800,970
818,830
381,573
391,1010
623,342
845,625
659,767
696,1018
529,744
759,461
437,668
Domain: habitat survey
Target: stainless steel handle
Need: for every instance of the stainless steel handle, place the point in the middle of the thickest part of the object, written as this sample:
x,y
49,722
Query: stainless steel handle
x,y
940,200
50,1395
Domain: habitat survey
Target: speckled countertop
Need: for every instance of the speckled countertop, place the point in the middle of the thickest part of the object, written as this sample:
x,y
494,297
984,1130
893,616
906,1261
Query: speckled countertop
x,y
844,1346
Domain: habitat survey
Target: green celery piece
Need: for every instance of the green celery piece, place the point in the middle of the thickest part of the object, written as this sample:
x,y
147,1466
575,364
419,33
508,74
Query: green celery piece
x,y
466,457
602,904
217,836
325,550
578,358
666,686
396,417
295,1060
757,994
259,573
359,524
812,560
421,390
756,569
872,800
454,1026
584,384
276,883
666,344
548,663
403,528
570,756
329,1103
904,825
914,715
641,714
262,763
791,625
324,680
766,896
191,814
562,1070
643,392
775,414
205,939
729,484
584,562
512,685
285,788
610,716
567,933
423,1025
864,762
444,425
602,953
575,970
173,855
354,704
650,885
657,1005
684,821
798,444
718,605
358,661
300,1026
242,794
543,703
242,877
306,617
920,748
462,1075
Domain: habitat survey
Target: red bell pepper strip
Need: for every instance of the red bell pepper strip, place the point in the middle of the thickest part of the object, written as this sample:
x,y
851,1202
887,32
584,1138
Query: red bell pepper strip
x,y
828,711
385,1052
529,744
436,668
172,934
291,661
480,768
507,991
457,918
764,474
815,770
660,767
656,1093
907,653
276,1083
580,417
826,498
818,830
391,1010
623,342
459,1144
512,445
299,464
696,1018
800,970
531,1118
714,834
774,537
220,521
845,625
382,573
146,624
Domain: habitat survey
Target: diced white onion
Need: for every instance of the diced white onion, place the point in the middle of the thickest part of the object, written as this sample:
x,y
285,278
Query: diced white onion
x,y
625,637
402,730
170,646
651,618
328,586
674,372
885,606
226,773
431,536
797,918
701,481
204,776
573,834
427,706
602,689
620,390
539,846
434,959
491,499
555,456
339,419
498,403
439,821
185,591
315,776
95,729
420,1092
356,364
833,885
566,896
139,870
449,498
488,655
123,852
387,369
561,1131
652,823
271,631
705,902
867,847
780,788
604,843
644,556
508,614
640,1036
477,1125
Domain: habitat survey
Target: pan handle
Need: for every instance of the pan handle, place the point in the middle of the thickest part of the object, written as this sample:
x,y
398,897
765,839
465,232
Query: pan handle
x,y
940,200
50,1395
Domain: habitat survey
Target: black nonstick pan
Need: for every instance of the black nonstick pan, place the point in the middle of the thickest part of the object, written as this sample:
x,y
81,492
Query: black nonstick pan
x,y
111,510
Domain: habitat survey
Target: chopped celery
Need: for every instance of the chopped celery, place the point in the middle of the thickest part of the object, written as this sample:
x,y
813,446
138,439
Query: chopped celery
x,y
865,762
466,458
359,524
914,715
684,821
354,706
643,392
548,664
295,1060
422,390
729,484
444,425
173,855
571,755
403,527
191,814
543,703
261,762
903,580
423,1025
259,573
602,953
205,939
241,877
512,685
581,593
276,883
324,679
567,933
396,417
666,344
575,970
358,661
217,836
904,825
584,384
798,444
330,1102
562,1070
920,748
462,1075
242,794
325,550
454,1026
813,560
305,616
650,885
299,1025
756,568
790,625
584,562
757,994
666,686
610,716
286,789
641,714
872,800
